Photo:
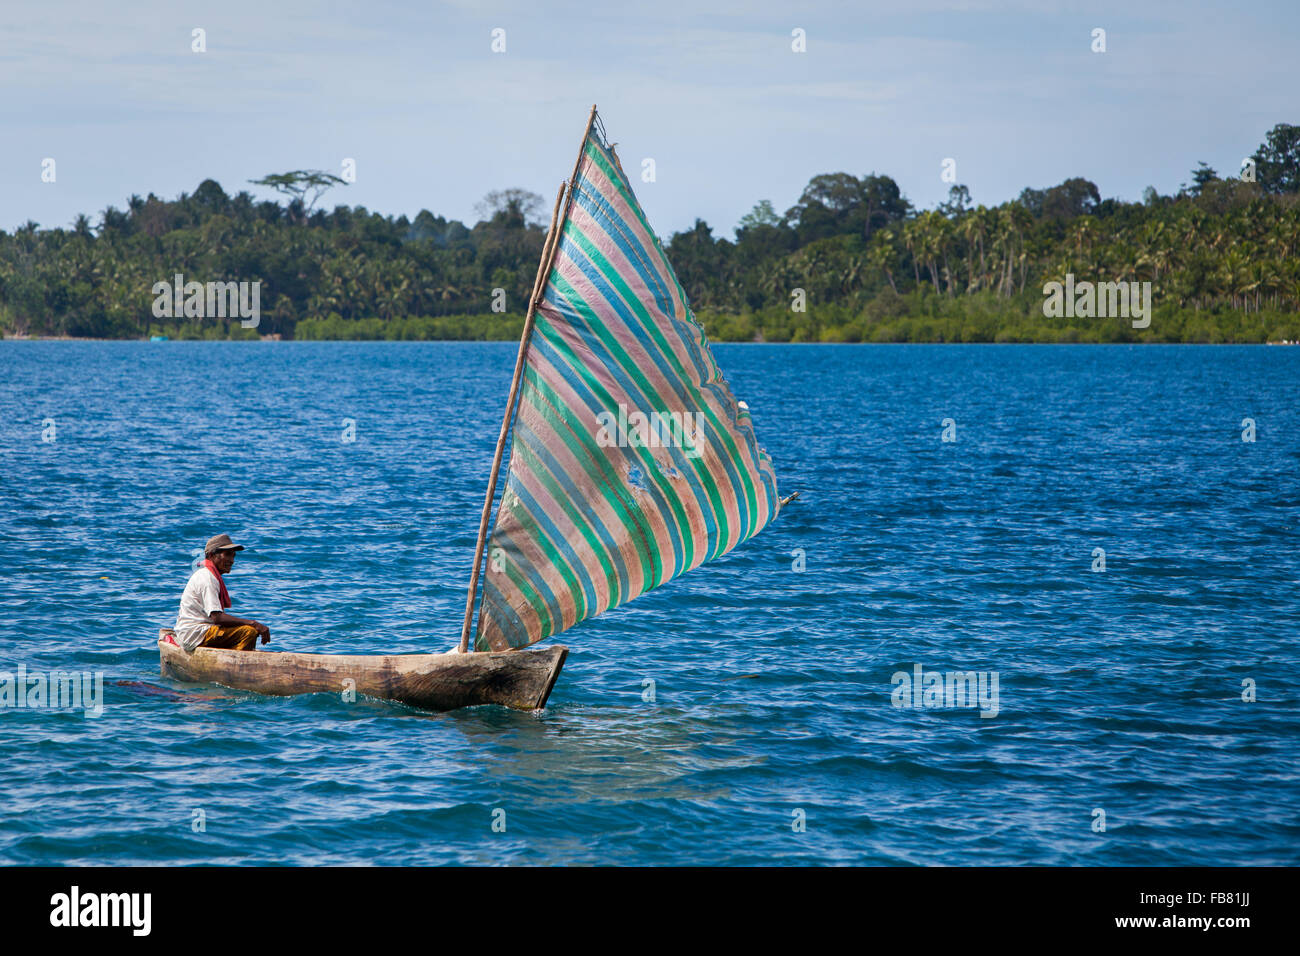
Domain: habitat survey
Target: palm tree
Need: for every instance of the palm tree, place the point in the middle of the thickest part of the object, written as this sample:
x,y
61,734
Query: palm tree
x,y
971,229
882,256
928,242
1004,243
1235,277
912,239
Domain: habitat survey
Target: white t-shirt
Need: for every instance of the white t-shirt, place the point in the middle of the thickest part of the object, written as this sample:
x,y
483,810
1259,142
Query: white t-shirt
x,y
202,596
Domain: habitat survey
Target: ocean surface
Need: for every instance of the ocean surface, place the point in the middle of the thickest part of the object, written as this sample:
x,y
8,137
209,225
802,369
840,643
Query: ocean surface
x,y
746,713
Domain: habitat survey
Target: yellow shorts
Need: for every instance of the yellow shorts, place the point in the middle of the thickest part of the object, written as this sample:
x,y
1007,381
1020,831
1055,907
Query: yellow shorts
x,y
234,637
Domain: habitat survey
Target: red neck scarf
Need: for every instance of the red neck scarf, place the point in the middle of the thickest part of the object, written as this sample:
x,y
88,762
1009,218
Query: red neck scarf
x,y
225,595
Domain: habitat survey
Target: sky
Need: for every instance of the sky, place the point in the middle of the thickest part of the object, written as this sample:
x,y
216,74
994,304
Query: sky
x,y
713,93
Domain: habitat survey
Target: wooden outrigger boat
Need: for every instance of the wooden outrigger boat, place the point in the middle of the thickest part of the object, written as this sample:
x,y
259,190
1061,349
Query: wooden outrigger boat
x,y
631,462
522,680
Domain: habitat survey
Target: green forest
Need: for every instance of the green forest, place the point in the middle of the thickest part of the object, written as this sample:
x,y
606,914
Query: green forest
x,y
851,261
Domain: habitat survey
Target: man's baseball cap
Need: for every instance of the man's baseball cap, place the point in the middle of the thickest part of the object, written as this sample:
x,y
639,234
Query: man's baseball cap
x,y
221,542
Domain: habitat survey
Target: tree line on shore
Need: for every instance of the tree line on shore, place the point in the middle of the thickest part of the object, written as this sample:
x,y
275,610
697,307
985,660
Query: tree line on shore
x,y
851,260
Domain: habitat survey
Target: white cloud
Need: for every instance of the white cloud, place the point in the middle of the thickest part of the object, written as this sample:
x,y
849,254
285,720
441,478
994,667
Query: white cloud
x,y
713,92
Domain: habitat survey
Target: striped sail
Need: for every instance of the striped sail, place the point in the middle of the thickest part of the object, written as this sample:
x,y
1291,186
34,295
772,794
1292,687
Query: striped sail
x,y
630,461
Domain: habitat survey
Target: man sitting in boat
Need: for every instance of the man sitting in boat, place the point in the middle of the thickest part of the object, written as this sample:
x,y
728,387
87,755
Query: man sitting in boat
x,y
203,621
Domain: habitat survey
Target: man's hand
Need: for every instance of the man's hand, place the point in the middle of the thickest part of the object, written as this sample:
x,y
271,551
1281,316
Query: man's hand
x,y
263,630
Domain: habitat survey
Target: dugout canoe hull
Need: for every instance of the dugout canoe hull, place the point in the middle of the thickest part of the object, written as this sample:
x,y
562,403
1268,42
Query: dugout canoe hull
x,y
521,680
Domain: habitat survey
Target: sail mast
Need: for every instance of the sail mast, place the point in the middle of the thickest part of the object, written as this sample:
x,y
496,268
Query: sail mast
x,y
543,271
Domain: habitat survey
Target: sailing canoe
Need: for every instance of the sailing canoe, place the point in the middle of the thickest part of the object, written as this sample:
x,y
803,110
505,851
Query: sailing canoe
x,y
520,679
600,505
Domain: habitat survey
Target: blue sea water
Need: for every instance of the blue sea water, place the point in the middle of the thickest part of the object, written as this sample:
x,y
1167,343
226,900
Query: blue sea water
x,y
773,735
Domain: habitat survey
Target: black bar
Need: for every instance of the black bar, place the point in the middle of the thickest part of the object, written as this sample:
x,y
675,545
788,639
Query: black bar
x,y
339,905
